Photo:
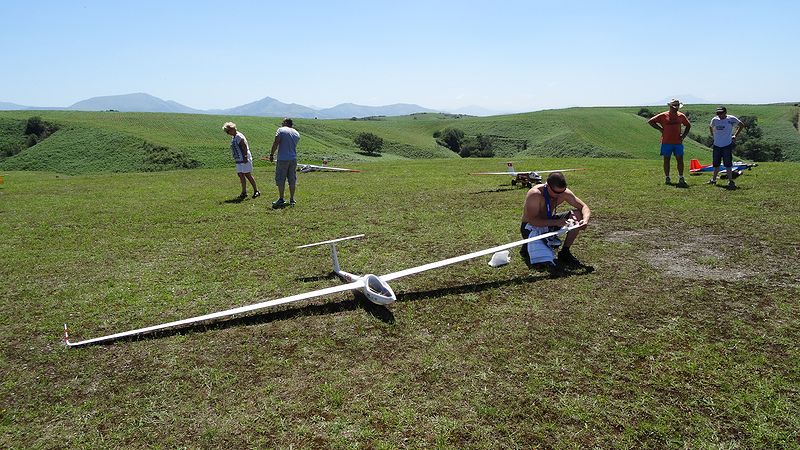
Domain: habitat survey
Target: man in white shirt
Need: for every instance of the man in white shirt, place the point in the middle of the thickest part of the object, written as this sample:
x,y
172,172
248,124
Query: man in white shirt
x,y
722,130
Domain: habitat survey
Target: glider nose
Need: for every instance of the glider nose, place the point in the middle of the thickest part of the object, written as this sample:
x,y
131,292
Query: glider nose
x,y
377,290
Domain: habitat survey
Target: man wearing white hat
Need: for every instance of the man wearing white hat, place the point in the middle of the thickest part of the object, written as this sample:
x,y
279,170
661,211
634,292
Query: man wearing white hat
x,y
669,124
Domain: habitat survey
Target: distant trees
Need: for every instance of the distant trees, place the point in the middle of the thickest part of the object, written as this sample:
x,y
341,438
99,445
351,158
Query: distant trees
x,y
450,137
36,130
749,144
480,146
456,140
369,143
646,113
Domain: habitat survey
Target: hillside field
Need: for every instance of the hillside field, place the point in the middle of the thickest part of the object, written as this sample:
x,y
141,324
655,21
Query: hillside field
x,y
683,333
95,142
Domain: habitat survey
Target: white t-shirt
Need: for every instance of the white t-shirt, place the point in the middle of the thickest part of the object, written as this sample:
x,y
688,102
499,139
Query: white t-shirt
x,y
236,149
723,129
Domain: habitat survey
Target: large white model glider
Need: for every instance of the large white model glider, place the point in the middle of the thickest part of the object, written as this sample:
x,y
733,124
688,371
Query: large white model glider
x,y
526,179
374,287
305,168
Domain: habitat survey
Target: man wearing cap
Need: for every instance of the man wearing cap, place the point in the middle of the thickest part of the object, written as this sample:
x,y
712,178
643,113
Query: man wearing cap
x,y
669,124
722,130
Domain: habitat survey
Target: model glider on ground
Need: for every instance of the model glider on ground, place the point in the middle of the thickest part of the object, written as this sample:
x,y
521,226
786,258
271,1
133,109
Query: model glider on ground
x,y
695,168
374,287
323,168
526,179
305,168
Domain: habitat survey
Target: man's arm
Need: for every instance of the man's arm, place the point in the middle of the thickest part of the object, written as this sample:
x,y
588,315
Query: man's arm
x,y
580,205
653,122
275,144
685,131
738,129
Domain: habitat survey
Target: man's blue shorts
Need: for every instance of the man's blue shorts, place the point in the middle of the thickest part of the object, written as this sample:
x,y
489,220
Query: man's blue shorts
x,y
671,149
723,154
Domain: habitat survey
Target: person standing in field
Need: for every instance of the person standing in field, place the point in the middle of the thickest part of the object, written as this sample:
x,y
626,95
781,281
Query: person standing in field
x,y
539,217
244,160
286,139
669,124
722,130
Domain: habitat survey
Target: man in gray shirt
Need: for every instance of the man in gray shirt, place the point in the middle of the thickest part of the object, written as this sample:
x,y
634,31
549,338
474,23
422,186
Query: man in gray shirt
x,y
286,139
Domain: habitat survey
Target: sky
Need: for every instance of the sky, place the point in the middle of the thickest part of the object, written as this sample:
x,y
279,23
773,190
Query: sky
x,y
505,56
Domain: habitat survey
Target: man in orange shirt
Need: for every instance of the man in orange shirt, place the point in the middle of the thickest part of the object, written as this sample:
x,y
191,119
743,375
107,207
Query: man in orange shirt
x,y
669,124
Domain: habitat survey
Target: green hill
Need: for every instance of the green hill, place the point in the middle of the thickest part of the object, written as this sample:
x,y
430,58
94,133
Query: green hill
x,y
685,334
88,142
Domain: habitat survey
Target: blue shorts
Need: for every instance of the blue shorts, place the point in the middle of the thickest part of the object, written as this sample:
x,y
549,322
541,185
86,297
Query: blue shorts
x,y
724,154
670,149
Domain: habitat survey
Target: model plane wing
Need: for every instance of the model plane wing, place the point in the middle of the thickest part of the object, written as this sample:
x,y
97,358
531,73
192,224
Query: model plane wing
x,y
457,259
218,315
315,168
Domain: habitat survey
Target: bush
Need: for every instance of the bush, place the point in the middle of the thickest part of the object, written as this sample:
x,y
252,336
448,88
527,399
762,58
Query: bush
x,y
481,146
37,130
451,138
369,142
646,113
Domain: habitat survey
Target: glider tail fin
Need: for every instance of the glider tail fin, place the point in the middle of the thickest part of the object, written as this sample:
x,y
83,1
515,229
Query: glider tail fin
x,y
695,165
334,256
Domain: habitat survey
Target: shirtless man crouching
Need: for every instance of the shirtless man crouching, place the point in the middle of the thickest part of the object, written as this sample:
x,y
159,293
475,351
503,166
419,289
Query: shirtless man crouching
x,y
539,216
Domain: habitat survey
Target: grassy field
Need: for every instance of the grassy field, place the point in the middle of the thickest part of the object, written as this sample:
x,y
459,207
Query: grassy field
x,y
685,334
94,142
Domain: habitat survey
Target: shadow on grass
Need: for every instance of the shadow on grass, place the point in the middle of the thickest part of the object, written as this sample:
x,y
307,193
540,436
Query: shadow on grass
x,y
500,189
236,199
359,301
328,276
478,287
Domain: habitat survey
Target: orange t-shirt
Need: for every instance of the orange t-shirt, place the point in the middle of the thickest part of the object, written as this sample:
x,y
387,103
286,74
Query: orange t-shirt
x,y
672,126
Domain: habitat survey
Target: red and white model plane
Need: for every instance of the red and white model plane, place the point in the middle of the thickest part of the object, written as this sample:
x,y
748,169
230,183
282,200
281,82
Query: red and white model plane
x,y
695,168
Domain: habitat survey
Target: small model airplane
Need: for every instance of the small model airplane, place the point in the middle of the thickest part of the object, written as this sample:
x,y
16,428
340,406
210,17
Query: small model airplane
x,y
374,287
695,168
305,168
323,168
526,179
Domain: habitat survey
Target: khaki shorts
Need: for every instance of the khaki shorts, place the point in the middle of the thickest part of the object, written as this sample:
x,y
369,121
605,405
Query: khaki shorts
x,y
286,170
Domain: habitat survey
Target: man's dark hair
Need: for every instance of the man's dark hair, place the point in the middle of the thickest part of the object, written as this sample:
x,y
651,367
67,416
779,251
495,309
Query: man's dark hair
x,y
288,122
557,180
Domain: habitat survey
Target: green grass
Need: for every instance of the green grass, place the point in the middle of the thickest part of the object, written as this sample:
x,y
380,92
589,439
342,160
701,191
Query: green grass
x,y
656,348
92,142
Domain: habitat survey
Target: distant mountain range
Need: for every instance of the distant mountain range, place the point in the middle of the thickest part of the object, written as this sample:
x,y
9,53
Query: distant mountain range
x,y
266,107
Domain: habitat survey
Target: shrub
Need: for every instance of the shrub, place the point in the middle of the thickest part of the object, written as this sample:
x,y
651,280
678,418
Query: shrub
x,y
646,113
481,146
451,138
369,142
